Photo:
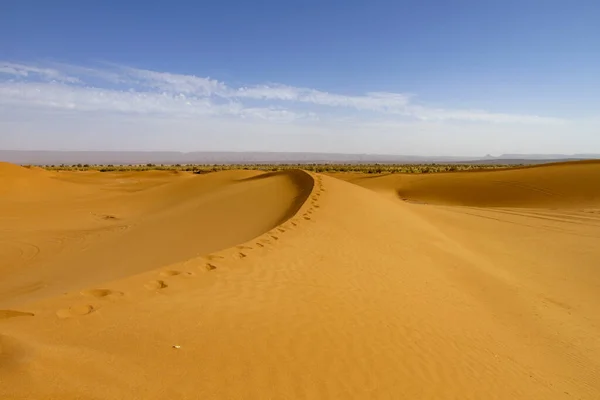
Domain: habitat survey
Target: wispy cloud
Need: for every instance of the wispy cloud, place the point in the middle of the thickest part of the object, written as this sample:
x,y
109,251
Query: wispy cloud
x,y
164,81
375,101
80,98
142,91
30,71
438,114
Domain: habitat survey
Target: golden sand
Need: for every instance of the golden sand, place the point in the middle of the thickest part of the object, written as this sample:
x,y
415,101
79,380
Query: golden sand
x,y
290,285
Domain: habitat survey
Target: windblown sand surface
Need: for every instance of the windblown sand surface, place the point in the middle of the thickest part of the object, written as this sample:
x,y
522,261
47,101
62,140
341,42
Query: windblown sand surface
x,y
289,285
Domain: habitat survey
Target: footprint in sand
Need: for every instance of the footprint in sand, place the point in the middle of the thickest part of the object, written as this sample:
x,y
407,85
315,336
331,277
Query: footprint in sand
x,y
156,285
171,272
210,267
6,314
307,218
102,293
241,255
75,311
260,245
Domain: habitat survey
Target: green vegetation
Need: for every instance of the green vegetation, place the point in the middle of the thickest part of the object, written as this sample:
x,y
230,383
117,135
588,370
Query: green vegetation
x,y
361,168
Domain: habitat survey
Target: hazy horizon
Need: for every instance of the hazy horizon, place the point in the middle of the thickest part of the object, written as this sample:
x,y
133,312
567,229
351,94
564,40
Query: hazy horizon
x,y
222,157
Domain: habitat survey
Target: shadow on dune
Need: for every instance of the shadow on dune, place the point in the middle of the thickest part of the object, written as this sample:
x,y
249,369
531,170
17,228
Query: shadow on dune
x,y
303,182
174,222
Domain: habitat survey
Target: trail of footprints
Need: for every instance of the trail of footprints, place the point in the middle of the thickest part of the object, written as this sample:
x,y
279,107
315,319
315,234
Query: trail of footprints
x,y
211,262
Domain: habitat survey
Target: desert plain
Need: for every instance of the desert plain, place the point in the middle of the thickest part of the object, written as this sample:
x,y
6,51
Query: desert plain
x,y
300,285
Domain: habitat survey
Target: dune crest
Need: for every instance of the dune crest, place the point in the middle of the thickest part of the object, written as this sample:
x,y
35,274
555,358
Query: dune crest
x,y
563,185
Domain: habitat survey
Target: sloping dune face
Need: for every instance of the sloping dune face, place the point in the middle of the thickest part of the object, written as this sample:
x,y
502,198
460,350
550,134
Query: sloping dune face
x,y
348,293
24,184
567,185
119,225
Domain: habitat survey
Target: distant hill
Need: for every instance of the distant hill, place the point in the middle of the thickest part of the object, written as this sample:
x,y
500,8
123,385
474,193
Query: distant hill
x,y
141,157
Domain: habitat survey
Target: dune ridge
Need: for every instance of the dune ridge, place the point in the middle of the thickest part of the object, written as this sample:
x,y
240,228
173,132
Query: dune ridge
x,y
349,293
560,185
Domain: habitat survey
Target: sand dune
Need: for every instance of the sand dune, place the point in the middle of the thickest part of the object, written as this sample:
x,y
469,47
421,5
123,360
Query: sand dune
x,y
564,185
24,184
288,285
61,243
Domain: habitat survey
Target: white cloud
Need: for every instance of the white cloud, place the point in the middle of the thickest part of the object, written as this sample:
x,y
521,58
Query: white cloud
x,y
96,99
383,102
145,91
199,86
107,75
25,71
91,99
164,81
436,114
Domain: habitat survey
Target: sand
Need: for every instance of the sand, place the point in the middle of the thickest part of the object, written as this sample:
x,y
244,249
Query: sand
x,y
290,285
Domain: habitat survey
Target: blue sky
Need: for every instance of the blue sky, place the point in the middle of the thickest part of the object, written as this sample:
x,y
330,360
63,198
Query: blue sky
x,y
403,77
